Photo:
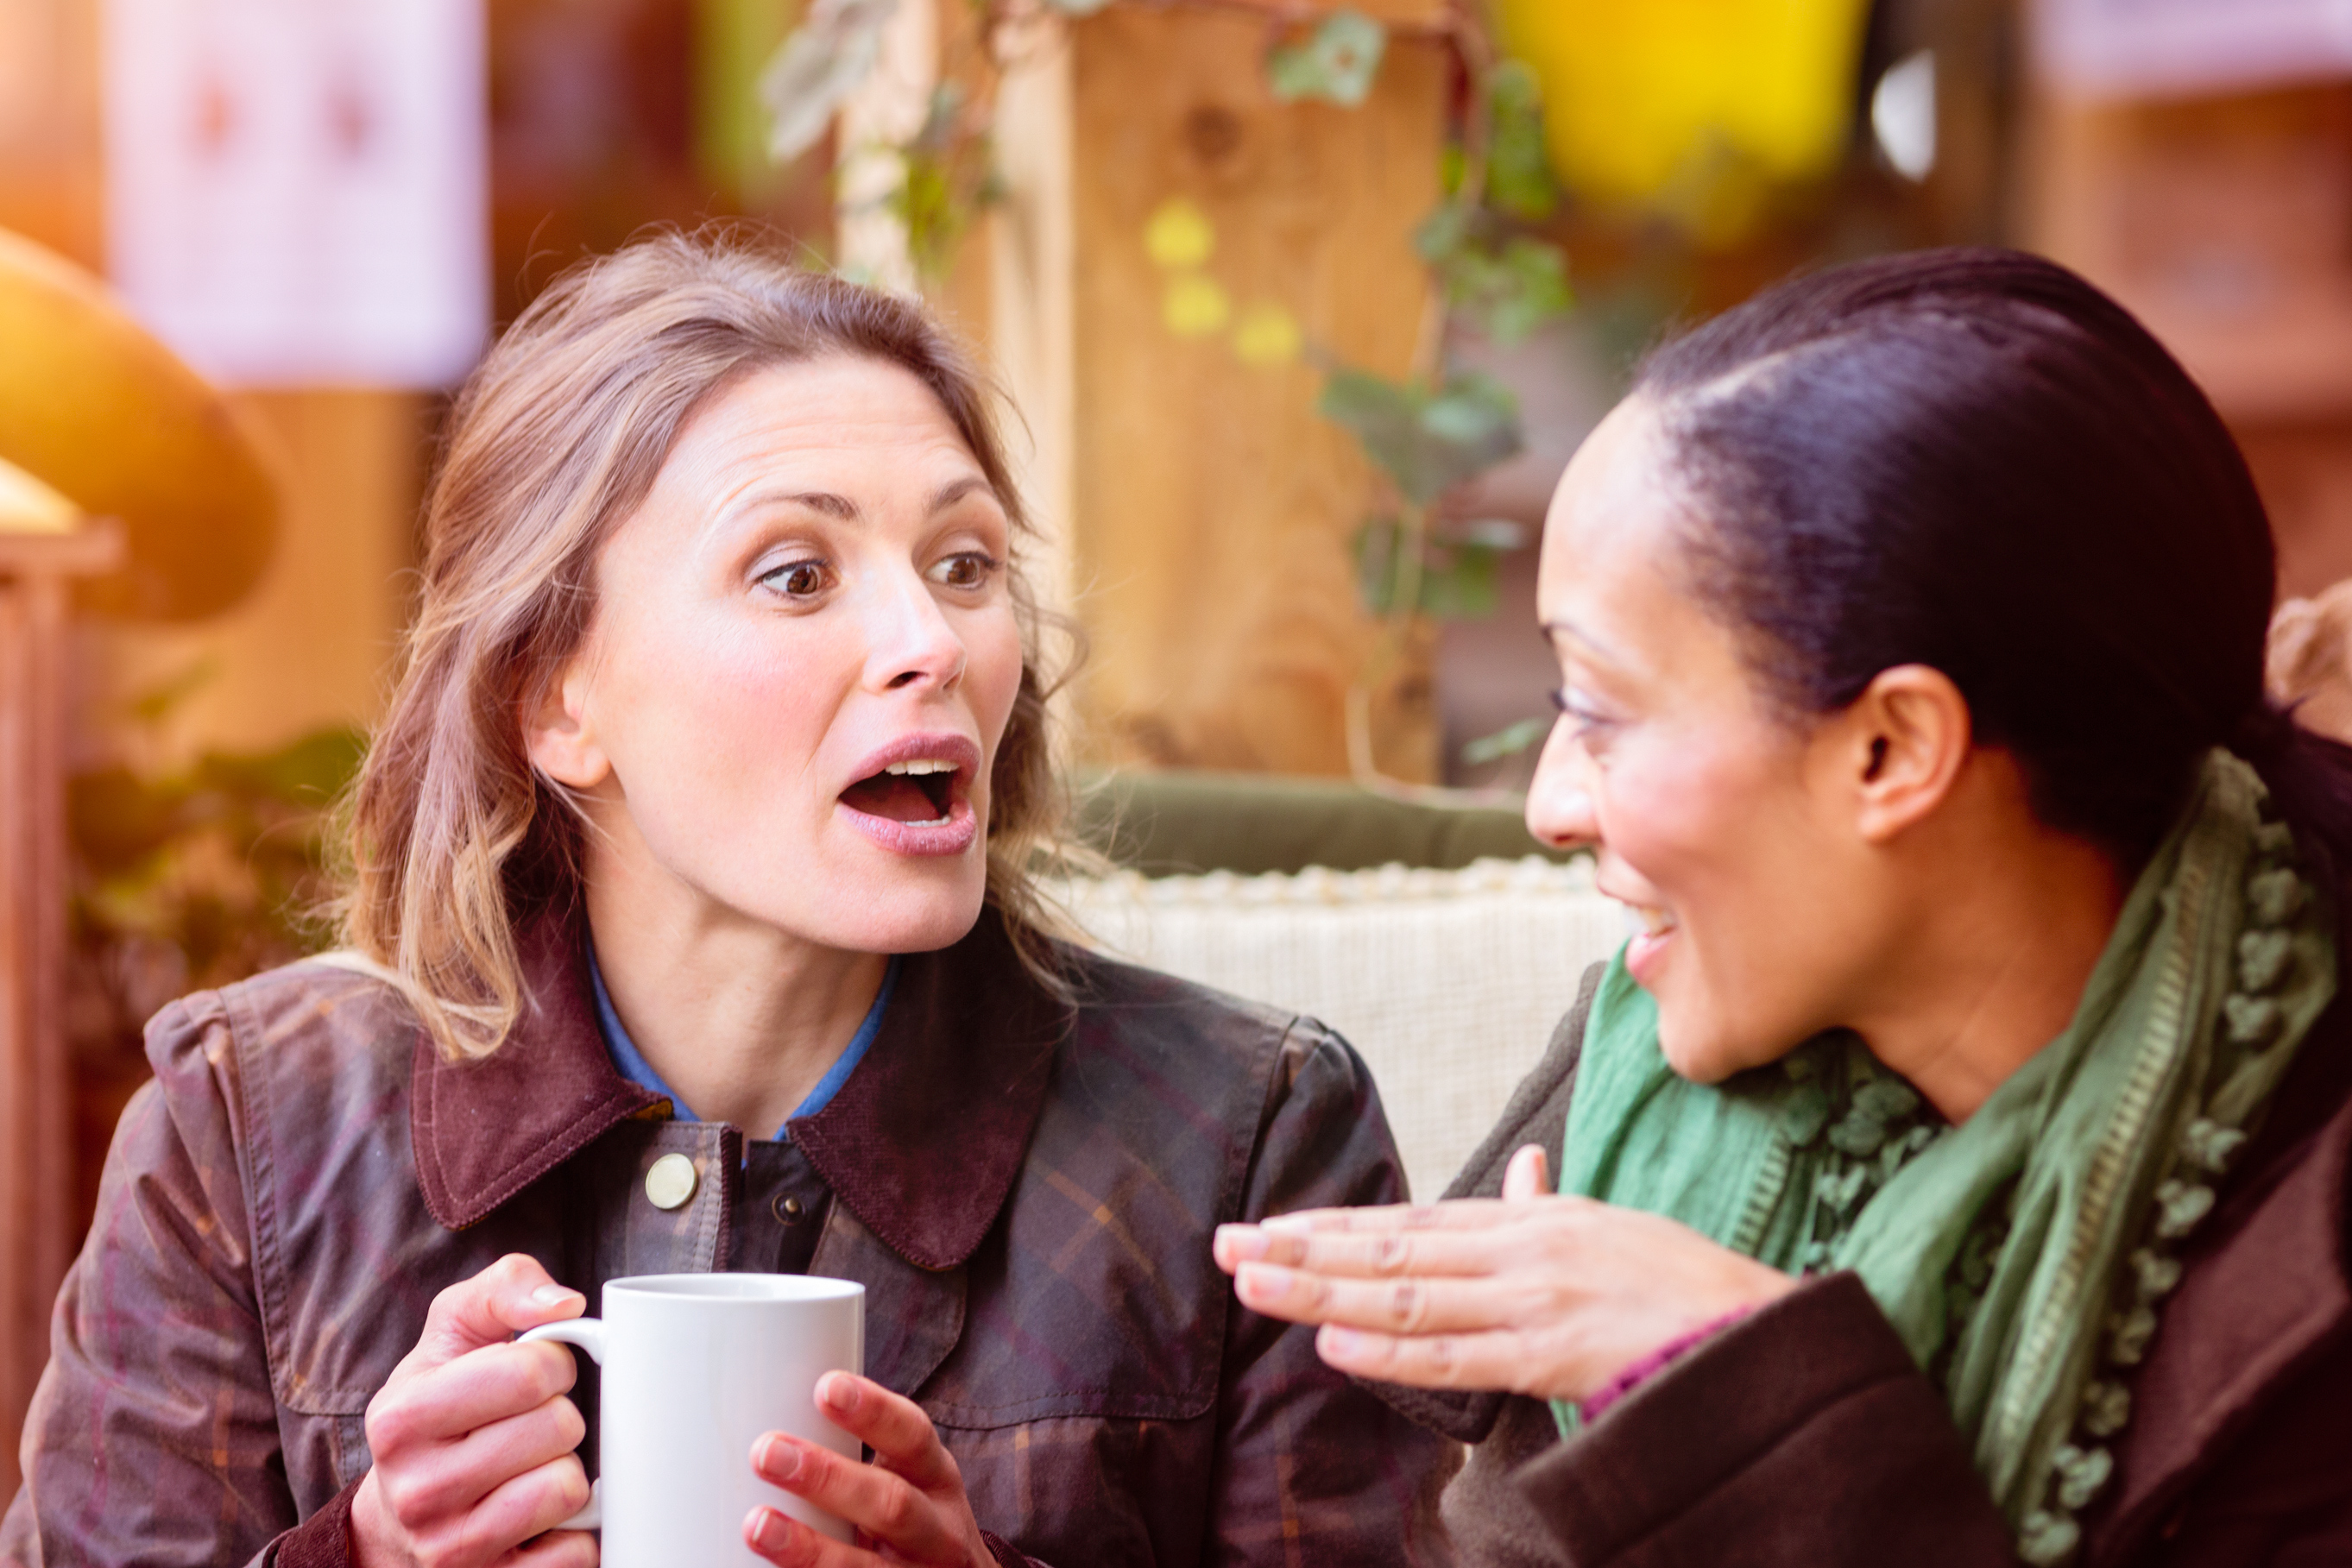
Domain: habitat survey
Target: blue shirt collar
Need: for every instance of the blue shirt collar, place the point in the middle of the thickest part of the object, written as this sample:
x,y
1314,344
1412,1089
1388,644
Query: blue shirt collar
x,y
633,1066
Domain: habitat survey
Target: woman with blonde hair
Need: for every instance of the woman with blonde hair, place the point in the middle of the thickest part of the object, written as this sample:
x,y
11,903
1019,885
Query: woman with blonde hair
x,y
691,928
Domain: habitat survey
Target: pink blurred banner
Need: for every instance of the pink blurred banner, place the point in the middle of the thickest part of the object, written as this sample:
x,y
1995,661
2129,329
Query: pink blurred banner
x,y
2141,48
297,189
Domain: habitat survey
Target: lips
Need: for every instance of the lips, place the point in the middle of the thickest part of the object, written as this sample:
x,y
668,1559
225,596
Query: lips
x,y
913,797
1646,953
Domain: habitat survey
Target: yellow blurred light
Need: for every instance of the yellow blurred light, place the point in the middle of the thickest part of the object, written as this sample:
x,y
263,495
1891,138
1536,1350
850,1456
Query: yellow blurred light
x,y
1638,97
1194,306
1178,235
1267,335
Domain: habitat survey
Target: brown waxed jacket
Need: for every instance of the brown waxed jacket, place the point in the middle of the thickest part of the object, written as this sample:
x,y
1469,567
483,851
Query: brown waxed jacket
x,y
1026,1190
1806,1437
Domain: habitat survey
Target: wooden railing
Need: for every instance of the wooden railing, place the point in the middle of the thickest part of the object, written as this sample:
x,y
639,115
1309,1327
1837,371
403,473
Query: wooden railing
x,y
37,573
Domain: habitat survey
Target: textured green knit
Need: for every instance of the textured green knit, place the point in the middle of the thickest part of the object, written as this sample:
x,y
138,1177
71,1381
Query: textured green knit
x,y
2019,1255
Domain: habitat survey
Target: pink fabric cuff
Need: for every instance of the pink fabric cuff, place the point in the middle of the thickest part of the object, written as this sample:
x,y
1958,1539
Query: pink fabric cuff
x,y
1657,1361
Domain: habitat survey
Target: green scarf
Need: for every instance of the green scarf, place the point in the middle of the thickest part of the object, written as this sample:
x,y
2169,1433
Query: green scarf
x,y
2020,1255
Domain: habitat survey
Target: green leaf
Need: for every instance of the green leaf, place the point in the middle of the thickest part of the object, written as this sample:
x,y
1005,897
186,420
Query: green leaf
x,y
1441,235
1500,534
1458,583
1518,165
827,56
1375,545
1458,578
1337,62
1506,284
1508,741
1427,444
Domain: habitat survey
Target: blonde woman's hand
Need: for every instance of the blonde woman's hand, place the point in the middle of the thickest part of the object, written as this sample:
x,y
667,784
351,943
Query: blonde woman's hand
x,y
908,1506
1530,1293
472,1435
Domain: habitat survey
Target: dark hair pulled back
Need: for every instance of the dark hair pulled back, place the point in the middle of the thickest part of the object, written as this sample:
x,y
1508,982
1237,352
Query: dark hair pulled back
x,y
1974,460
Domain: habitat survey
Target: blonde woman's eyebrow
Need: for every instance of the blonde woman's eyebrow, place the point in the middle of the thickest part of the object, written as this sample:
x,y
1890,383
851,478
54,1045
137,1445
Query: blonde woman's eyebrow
x,y
829,504
955,490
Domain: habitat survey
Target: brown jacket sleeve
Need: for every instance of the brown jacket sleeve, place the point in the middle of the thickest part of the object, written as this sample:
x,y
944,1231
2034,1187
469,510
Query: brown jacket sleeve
x,y
1312,1469
1803,1435
152,1438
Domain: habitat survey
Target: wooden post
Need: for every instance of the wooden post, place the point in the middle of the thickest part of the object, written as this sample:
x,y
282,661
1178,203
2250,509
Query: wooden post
x,y
1212,509
36,1198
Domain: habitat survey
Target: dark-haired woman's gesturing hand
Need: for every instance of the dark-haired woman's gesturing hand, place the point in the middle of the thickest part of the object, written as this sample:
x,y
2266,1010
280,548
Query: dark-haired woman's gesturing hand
x,y
908,1506
472,1435
1551,1297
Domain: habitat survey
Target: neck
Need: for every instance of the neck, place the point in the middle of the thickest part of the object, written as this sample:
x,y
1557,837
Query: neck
x,y
1992,964
740,1018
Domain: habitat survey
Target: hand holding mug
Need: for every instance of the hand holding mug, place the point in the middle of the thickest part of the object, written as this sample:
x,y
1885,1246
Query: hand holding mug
x,y
472,1435
908,1506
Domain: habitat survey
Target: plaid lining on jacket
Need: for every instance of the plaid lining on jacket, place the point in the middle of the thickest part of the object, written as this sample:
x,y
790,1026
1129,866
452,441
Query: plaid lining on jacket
x,y
1026,1190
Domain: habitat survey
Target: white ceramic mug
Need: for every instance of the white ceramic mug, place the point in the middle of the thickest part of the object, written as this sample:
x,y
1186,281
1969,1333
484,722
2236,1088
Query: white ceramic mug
x,y
695,1366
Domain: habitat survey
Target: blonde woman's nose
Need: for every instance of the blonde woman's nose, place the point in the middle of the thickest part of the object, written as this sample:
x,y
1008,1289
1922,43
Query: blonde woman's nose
x,y
911,642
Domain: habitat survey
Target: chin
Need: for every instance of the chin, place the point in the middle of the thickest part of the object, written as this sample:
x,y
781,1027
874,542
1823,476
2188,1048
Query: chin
x,y
919,914
1696,1049
1706,1050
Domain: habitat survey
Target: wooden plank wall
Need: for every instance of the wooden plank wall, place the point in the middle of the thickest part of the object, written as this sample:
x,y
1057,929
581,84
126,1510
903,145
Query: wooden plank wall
x,y
2225,223
1211,508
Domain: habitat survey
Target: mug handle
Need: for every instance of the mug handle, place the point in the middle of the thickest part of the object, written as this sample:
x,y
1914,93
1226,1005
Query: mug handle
x,y
588,1334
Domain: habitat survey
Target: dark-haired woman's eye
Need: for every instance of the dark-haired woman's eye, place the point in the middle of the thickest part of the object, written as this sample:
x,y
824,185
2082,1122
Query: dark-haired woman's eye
x,y
799,579
1586,725
968,569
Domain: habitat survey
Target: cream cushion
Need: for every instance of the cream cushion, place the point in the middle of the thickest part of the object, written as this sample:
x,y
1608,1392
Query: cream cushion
x,y
1448,982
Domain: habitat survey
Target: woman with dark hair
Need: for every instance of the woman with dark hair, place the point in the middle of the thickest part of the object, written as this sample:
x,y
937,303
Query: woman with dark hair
x,y
692,926
1954,1170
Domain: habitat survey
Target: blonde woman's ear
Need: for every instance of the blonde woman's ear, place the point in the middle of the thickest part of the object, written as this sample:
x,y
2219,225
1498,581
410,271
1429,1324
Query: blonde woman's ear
x,y
560,735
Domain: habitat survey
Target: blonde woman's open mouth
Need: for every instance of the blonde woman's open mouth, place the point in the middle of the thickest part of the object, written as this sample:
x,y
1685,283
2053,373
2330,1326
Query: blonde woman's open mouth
x,y
914,796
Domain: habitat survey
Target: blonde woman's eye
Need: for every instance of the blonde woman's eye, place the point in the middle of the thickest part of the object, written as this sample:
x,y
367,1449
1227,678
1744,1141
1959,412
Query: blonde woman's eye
x,y
799,579
970,570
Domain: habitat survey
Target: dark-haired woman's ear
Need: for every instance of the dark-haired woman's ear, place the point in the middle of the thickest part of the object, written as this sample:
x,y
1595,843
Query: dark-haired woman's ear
x,y
1901,746
561,738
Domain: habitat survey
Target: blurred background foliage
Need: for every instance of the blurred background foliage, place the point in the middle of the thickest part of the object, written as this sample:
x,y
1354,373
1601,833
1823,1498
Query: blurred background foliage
x,y
188,878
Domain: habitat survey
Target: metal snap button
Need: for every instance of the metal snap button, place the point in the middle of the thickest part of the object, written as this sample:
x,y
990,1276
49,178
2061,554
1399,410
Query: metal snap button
x,y
787,1210
670,1182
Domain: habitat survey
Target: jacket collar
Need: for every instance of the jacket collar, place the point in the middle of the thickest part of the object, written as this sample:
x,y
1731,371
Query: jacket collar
x,y
922,1143
924,1140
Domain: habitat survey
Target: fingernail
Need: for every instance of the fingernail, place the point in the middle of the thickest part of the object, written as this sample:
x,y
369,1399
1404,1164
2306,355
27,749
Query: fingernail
x,y
1334,1344
1242,1242
554,1295
1261,1281
768,1528
778,1461
838,1391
